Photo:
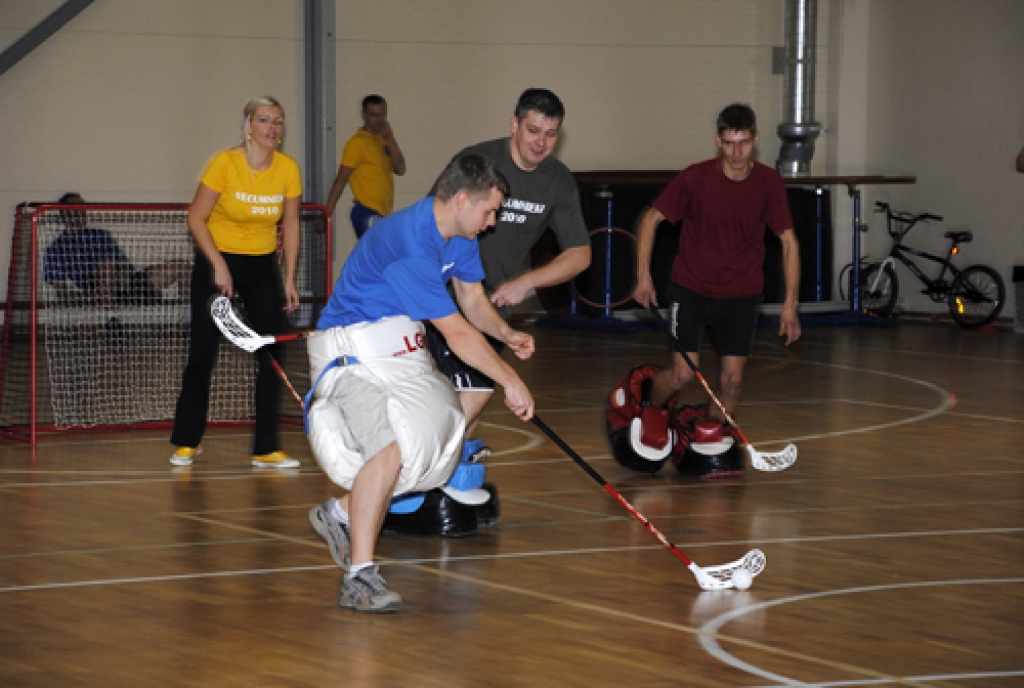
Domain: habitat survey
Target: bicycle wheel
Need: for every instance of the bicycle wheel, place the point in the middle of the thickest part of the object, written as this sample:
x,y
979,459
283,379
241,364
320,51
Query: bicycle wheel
x,y
844,281
976,296
878,299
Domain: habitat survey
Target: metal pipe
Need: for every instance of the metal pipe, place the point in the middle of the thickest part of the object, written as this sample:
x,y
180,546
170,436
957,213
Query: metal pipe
x,y
798,129
318,47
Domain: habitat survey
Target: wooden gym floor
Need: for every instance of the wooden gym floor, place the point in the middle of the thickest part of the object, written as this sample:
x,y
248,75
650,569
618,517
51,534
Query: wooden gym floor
x,y
895,545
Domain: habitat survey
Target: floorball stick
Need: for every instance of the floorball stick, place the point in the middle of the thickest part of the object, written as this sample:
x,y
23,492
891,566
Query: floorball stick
x,y
284,376
709,578
762,461
238,333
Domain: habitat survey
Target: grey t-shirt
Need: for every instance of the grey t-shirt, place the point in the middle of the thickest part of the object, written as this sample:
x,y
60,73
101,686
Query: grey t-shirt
x,y
545,197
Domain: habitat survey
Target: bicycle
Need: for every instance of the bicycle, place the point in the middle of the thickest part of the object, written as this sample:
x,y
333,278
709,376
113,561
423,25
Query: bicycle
x,y
974,295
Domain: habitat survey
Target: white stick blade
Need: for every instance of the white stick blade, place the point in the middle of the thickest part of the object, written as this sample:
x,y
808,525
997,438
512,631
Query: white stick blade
x,y
237,332
772,461
220,307
707,582
720,577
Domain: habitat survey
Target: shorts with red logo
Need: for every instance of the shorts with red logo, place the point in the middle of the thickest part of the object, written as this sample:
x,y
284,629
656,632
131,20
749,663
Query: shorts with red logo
x,y
374,384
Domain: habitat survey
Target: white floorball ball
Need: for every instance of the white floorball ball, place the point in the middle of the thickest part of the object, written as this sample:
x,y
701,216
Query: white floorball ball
x,y
741,579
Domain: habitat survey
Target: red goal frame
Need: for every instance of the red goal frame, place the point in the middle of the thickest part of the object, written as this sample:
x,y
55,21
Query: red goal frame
x,y
23,306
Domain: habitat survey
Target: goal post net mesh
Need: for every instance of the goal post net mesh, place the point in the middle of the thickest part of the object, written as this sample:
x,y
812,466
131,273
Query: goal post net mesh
x,y
96,328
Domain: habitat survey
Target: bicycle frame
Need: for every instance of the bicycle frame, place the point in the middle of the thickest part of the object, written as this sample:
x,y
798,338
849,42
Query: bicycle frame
x,y
974,294
937,285
898,251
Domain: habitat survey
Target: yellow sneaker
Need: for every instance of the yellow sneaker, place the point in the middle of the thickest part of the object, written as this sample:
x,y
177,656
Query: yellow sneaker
x,y
276,459
183,455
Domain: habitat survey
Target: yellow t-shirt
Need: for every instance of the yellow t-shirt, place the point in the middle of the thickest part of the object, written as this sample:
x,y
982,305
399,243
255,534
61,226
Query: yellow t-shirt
x,y
373,177
251,203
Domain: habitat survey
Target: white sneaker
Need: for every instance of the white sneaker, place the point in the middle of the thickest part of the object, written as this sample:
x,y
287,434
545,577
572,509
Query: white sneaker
x,y
333,531
276,459
367,591
183,455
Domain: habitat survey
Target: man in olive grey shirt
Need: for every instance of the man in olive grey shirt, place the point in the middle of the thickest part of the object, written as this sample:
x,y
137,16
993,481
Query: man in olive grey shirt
x,y
543,194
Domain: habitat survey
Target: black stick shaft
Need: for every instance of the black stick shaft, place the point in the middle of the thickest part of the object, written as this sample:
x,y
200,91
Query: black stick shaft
x,y
569,451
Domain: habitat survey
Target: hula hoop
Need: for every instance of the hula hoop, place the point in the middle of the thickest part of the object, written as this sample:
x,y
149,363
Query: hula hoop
x,y
613,304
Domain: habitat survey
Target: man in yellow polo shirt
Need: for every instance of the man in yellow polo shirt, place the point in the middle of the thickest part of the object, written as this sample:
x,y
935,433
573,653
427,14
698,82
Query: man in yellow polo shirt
x,y
369,162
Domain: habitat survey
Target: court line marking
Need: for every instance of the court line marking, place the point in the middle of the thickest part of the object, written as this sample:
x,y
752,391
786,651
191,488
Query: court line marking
x,y
316,473
928,414
170,478
445,573
946,405
156,472
533,439
553,599
153,436
536,439
710,644
914,353
976,416
163,578
268,536
937,677
134,548
764,512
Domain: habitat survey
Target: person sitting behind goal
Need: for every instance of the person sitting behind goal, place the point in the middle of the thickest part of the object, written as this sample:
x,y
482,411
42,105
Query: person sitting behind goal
x,y
87,262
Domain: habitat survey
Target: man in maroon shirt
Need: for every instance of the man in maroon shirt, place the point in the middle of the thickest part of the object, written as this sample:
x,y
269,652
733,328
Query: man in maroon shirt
x,y
717,279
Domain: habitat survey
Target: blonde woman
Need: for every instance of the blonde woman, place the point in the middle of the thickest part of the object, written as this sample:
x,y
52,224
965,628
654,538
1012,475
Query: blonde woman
x,y
245,192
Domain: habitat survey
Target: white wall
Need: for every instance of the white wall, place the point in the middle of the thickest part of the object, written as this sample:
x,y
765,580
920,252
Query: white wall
x,y
130,99
642,81
945,102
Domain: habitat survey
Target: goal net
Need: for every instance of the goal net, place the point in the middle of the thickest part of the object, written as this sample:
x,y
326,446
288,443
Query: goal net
x,y
96,327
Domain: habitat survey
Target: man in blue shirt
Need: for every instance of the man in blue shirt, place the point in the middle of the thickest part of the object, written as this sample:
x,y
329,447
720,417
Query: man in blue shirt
x,y
384,421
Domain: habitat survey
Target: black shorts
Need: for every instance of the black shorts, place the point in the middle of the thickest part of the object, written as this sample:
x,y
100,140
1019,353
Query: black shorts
x,y
463,377
732,323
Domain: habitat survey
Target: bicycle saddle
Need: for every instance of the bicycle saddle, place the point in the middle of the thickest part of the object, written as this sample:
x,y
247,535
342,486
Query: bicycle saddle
x,y
960,237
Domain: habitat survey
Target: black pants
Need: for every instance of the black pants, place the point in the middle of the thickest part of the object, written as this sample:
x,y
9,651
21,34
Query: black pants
x,y
257,281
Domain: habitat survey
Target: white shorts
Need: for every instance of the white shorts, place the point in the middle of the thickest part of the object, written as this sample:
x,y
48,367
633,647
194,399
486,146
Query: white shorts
x,y
406,400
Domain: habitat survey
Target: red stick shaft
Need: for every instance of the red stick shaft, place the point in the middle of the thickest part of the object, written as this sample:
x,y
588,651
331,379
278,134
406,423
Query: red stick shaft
x,y
647,524
290,337
284,376
608,488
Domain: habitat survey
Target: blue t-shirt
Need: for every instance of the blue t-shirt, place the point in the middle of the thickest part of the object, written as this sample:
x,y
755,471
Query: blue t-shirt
x,y
401,267
74,255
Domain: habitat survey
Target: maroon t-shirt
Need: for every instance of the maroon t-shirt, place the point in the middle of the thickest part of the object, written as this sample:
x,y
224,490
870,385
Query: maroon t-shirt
x,y
721,243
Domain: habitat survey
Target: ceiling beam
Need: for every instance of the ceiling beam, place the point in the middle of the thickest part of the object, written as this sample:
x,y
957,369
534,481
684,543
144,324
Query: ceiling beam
x,y
40,32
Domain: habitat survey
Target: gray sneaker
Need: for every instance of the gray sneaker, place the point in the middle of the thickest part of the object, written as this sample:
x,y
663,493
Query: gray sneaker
x,y
368,592
333,531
